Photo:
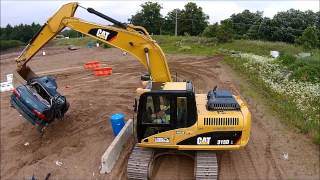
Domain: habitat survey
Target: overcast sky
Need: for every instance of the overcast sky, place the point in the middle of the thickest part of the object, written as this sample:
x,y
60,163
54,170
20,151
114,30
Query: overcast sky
x,y
16,12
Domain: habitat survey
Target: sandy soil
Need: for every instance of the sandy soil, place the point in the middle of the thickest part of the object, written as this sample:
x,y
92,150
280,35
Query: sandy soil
x,y
80,139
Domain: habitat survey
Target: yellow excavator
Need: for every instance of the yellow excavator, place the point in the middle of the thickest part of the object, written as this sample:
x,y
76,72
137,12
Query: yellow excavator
x,y
169,115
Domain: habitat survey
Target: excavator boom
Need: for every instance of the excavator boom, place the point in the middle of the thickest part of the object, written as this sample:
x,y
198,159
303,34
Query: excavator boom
x,y
132,39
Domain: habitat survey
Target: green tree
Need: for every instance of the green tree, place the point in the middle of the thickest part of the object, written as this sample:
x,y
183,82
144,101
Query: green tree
x,y
253,32
170,22
291,24
225,31
192,20
5,32
244,21
266,29
309,38
21,32
149,17
71,33
211,30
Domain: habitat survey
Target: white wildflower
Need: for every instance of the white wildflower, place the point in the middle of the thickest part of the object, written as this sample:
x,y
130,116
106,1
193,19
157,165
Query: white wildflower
x,y
303,94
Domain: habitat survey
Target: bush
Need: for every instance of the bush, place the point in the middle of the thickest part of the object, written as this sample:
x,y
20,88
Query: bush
x,y
306,69
6,44
303,69
287,59
306,73
225,32
309,38
210,31
70,33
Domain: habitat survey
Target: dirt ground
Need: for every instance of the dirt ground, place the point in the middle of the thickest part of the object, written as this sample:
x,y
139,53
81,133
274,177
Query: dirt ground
x,y
80,139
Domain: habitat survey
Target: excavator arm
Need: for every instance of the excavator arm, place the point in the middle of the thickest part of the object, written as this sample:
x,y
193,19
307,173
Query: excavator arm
x,y
132,39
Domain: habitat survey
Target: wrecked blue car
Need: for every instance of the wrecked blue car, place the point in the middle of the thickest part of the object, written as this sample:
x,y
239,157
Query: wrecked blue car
x,y
39,102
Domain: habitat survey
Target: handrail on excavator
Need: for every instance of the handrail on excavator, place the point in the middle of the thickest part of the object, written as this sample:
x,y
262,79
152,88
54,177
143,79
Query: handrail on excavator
x,y
127,37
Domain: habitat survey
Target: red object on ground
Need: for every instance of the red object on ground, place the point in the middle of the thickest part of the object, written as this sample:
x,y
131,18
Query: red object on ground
x,y
92,65
104,71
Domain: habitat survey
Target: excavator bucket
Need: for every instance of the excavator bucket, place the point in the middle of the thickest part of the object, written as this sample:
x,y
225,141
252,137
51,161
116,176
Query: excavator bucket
x,y
26,73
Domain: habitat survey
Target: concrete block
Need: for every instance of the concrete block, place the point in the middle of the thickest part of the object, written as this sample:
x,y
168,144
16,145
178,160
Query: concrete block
x,y
303,55
6,86
111,155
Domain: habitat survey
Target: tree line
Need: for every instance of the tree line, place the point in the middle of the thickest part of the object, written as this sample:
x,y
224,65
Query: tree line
x,y
292,26
21,32
14,36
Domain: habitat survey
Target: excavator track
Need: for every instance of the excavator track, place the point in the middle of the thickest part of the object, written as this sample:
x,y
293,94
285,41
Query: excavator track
x,y
139,163
206,165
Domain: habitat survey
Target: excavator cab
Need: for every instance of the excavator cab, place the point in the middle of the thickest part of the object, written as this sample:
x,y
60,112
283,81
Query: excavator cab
x,y
162,109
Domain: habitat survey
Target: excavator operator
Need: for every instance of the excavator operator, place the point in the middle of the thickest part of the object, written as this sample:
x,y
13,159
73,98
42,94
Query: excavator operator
x,y
162,116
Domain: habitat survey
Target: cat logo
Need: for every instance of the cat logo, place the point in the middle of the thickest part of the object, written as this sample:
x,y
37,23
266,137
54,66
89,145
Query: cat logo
x,y
102,34
203,140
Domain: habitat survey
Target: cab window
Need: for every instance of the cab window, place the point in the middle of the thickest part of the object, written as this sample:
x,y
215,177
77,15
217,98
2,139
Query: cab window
x,y
182,112
157,110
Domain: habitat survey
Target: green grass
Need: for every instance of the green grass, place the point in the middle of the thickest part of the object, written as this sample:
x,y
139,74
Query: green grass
x,y
170,44
187,45
262,47
304,69
82,42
